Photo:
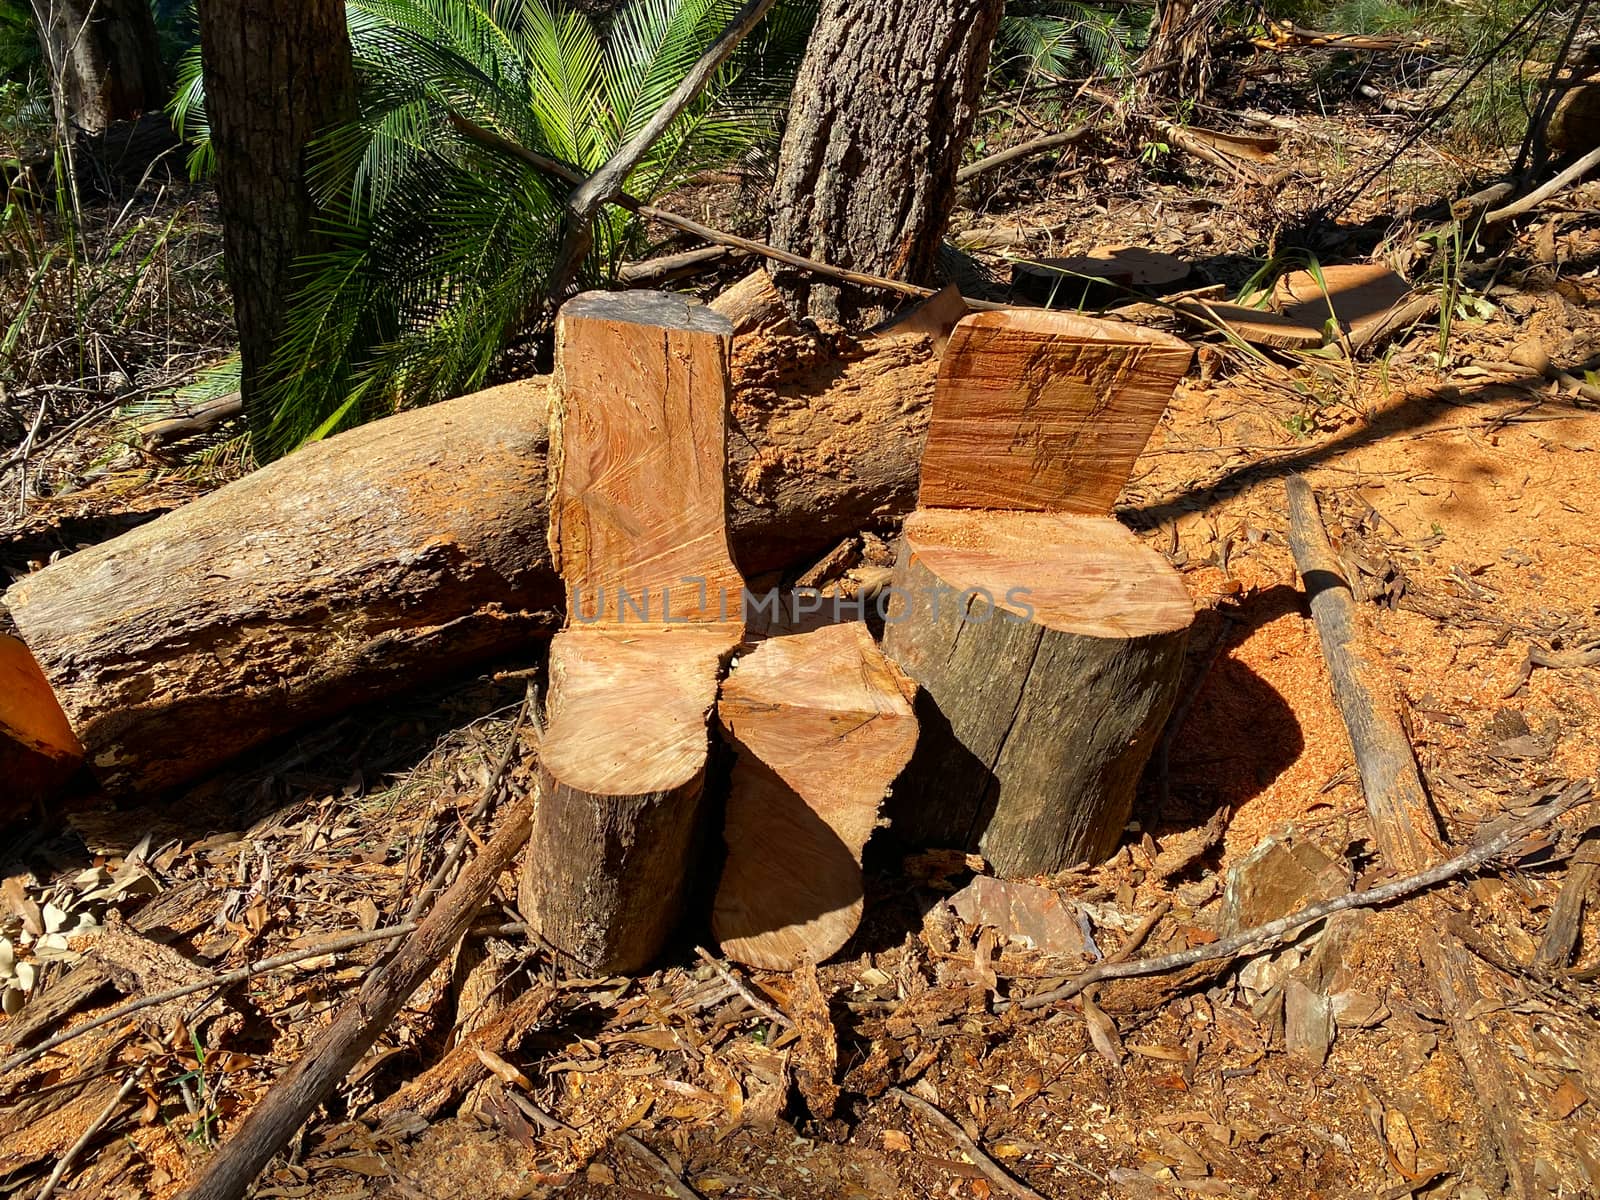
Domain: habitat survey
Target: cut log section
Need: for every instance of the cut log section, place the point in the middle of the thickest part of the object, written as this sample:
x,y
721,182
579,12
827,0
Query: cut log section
x,y
373,561
639,528
38,752
1047,644
822,724
1358,295
1044,411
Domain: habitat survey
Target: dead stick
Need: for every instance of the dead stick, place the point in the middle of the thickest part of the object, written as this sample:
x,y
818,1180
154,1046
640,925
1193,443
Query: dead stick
x,y
1544,191
995,1173
1566,918
1262,936
1408,832
265,966
1038,145
235,1165
64,1163
491,789
744,990
493,141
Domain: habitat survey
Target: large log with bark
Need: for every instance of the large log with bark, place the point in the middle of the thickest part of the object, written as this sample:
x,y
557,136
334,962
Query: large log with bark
x,y
1046,640
638,529
415,545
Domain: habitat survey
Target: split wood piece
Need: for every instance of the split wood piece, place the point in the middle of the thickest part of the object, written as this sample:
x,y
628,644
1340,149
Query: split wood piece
x,y
821,722
638,529
278,600
1488,1037
1357,295
1044,411
38,752
1049,649
1257,326
934,317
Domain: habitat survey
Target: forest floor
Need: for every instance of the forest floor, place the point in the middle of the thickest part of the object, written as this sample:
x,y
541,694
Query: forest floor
x,y
1461,495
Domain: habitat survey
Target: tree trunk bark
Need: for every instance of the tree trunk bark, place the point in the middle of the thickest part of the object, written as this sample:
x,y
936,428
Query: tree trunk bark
x,y
883,106
106,57
276,76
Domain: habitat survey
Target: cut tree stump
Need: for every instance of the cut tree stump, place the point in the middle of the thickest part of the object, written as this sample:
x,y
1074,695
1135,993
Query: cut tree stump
x,y
38,752
821,723
375,560
639,530
1047,642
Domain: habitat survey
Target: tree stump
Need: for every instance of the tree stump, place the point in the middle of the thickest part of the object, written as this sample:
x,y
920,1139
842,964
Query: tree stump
x,y
821,722
638,529
1047,642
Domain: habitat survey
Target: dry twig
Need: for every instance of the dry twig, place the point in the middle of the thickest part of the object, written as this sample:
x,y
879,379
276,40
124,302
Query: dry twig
x,y
992,1170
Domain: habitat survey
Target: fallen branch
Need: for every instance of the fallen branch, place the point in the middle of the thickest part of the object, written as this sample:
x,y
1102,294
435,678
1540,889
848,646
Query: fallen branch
x,y
1545,190
1038,145
203,419
493,141
1262,937
271,1123
1286,35
1409,835
627,1141
64,1163
652,272
992,1170
1566,918
744,990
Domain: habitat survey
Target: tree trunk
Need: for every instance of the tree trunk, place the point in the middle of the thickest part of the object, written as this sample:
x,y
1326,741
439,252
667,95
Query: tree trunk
x,y
106,57
883,106
1046,640
276,76
280,599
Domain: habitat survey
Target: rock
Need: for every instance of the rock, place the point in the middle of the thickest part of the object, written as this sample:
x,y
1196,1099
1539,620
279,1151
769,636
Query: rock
x,y
1023,914
1277,877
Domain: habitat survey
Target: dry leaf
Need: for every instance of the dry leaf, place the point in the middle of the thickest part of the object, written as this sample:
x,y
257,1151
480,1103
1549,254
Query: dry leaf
x,y
502,1070
1102,1031
895,1140
1568,1098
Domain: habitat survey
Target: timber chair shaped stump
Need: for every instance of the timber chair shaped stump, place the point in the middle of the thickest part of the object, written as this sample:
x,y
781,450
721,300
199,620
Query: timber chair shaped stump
x,y
638,531
1046,640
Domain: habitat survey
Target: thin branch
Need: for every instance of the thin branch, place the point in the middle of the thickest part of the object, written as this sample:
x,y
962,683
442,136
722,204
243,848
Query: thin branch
x,y
992,1170
1545,190
744,990
493,141
64,1163
1038,145
1262,936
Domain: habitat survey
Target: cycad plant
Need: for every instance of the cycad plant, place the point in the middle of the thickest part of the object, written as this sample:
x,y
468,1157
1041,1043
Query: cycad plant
x,y
441,248
1048,40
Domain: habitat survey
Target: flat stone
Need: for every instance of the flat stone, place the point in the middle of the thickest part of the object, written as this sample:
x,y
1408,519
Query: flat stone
x,y
1023,914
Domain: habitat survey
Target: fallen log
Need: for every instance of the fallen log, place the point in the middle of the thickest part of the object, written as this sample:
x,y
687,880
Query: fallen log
x,y
1410,838
821,724
382,557
638,529
1047,642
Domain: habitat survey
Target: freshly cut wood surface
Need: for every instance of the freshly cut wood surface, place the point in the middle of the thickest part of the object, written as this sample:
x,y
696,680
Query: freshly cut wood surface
x,y
38,751
821,722
1044,411
1048,651
639,460
1083,575
638,503
617,834
628,707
